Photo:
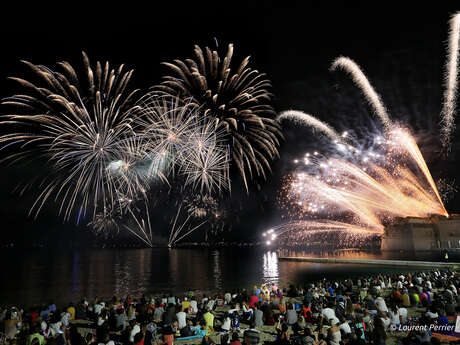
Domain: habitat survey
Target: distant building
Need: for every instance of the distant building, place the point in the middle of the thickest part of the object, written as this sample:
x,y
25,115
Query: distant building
x,y
434,233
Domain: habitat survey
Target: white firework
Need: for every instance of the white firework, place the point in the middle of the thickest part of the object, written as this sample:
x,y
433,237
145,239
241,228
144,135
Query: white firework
x,y
206,161
451,73
308,120
360,79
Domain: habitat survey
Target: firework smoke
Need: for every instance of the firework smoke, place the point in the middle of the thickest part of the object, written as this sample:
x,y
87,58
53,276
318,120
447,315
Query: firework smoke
x,y
360,79
451,74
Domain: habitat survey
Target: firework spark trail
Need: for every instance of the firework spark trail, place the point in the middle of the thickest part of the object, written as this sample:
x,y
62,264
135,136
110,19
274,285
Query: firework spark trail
x,y
142,229
300,117
360,79
408,143
178,232
368,192
451,74
318,225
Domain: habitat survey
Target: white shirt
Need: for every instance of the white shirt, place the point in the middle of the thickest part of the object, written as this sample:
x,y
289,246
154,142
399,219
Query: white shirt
x,y
98,308
65,318
194,306
136,329
181,319
394,317
431,315
381,305
54,328
403,313
210,304
345,327
227,324
328,313
386,322
100,321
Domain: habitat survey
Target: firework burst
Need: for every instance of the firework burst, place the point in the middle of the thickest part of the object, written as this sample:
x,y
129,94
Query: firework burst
x,y
236,99
76,125
184,144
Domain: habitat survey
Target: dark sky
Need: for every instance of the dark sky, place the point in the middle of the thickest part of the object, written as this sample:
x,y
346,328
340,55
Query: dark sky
x,y
401,48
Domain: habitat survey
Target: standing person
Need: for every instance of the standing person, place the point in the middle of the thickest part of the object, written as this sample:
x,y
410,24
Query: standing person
x,y
181,318
247,311
226,323
158,314
121,320
378,335
291,314
208,317
258,316
10,326
185,304
71,311
334,336
395,317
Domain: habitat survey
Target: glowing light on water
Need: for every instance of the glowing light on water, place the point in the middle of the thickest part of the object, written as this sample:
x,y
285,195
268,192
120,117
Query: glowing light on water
x,y
270,268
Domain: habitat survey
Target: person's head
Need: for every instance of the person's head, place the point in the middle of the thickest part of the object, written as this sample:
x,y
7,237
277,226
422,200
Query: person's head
x,y
89,337
378,323
284,327
106,338
235,336
251,337
138,337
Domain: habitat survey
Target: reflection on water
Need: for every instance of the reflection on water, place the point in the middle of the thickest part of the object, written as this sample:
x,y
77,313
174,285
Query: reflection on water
x,y
216,270
271,274
36,276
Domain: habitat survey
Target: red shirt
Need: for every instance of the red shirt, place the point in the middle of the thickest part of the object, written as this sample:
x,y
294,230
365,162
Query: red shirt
x,y
33,316
253,300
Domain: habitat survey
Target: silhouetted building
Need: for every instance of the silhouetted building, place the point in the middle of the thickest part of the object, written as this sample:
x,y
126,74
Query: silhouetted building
x,y
418,234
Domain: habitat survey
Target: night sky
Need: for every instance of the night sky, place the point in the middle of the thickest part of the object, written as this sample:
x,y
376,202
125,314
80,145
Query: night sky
x,y
401,49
